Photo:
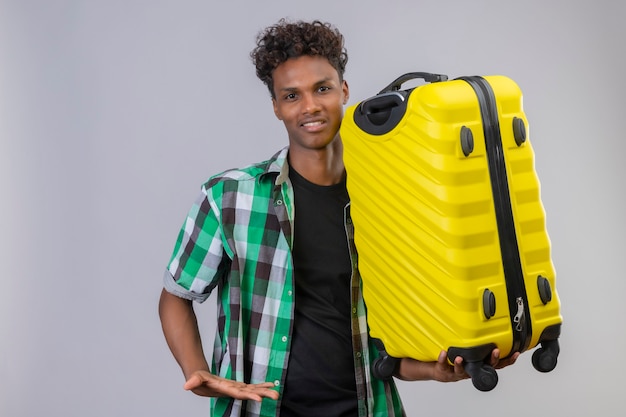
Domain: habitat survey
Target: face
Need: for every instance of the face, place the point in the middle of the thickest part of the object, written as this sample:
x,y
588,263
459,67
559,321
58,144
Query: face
x,y
309,99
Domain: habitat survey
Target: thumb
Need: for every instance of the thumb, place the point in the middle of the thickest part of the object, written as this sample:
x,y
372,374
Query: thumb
x,y
193,382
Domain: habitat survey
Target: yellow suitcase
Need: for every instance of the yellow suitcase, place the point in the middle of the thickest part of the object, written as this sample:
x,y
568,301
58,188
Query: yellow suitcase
x,y
449,224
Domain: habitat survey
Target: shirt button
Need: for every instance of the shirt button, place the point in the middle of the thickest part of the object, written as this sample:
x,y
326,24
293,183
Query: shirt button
x,y
279,202
276,383
358,355
354,310
289,293
284,339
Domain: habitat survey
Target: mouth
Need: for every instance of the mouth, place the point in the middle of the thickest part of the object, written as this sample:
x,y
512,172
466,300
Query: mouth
x,y
313,125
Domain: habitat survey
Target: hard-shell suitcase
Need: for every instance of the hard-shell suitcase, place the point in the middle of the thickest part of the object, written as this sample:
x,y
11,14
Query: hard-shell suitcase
x,y
449,224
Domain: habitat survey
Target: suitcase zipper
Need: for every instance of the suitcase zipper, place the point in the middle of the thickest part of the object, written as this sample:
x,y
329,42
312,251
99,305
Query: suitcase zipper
x,y
519,316
513,274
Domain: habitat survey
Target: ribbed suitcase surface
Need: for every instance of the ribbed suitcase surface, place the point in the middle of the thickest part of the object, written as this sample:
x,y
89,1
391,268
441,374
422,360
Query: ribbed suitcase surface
x,y
450,228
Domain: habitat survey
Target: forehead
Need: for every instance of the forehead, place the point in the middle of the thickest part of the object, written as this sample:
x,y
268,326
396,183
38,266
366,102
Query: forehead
x,y
303,71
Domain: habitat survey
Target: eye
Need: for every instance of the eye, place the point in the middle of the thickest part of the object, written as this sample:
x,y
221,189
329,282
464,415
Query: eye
x,y
323,89
290,96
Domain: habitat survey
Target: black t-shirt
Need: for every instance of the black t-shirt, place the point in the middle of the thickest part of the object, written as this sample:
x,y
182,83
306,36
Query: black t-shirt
x,y
320,376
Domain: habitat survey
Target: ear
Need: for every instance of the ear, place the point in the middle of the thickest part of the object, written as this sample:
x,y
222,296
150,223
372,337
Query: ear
x,y
276,111
346,92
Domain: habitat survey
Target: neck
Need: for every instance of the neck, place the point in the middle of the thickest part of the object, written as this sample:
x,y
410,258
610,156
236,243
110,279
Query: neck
x,y
319,166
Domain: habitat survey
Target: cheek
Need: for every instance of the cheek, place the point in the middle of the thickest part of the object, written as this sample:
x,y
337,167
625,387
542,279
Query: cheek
x,y
277,112
339,110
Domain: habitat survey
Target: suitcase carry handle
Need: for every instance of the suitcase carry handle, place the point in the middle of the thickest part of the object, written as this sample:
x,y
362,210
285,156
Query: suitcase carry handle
x,y
426,76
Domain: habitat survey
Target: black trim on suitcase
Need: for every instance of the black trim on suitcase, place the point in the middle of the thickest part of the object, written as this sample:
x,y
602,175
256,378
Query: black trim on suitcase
x,y
380,114
511,261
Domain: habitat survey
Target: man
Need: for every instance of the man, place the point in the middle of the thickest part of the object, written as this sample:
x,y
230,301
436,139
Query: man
x,y
275,239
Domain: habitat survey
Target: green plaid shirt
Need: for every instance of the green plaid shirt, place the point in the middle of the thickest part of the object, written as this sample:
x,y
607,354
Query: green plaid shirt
x,y
238,237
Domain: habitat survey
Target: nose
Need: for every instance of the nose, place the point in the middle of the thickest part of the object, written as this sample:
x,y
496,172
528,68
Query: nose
x,y
310,104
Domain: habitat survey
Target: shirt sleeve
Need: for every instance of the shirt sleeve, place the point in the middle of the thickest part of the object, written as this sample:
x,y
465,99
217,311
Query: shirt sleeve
x,y
199,259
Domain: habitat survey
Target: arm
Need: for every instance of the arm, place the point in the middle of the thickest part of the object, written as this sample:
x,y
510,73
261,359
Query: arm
x,y
413,370
180,328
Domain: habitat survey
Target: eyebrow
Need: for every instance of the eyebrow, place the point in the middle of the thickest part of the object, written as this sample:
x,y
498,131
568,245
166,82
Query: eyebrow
x,y
317,84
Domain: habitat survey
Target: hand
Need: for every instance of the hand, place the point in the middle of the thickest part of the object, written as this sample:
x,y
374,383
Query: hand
x,y
444,372
205,384
414,370
499,364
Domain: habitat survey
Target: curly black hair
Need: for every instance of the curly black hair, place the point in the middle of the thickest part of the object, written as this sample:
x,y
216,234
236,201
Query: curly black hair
x,y
284,40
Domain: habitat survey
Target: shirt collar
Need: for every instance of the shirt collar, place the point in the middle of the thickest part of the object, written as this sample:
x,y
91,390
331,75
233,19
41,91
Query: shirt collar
x,y
278,165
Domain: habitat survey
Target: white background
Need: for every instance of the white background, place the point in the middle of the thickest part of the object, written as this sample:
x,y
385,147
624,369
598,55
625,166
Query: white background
x,y
113,113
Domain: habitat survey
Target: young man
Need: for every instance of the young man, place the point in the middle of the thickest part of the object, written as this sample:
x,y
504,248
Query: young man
x,y
275,239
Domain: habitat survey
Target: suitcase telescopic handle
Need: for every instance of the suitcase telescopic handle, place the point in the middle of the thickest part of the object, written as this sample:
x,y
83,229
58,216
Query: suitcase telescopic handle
x,y
426,76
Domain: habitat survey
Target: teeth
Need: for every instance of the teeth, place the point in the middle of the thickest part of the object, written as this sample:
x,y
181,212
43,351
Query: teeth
x,y
313,124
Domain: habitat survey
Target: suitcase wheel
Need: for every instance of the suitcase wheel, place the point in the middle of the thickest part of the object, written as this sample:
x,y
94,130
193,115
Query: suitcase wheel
x,y
385,365
484,377
544,359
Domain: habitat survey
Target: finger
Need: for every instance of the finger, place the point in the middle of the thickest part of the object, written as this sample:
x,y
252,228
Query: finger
x,y
266,385
458,363
443,358
256,392
250,396
508,361
272,394
459,369
495,357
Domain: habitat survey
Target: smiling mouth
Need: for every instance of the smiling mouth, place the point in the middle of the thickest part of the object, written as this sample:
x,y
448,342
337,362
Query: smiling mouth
x,y
313,124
